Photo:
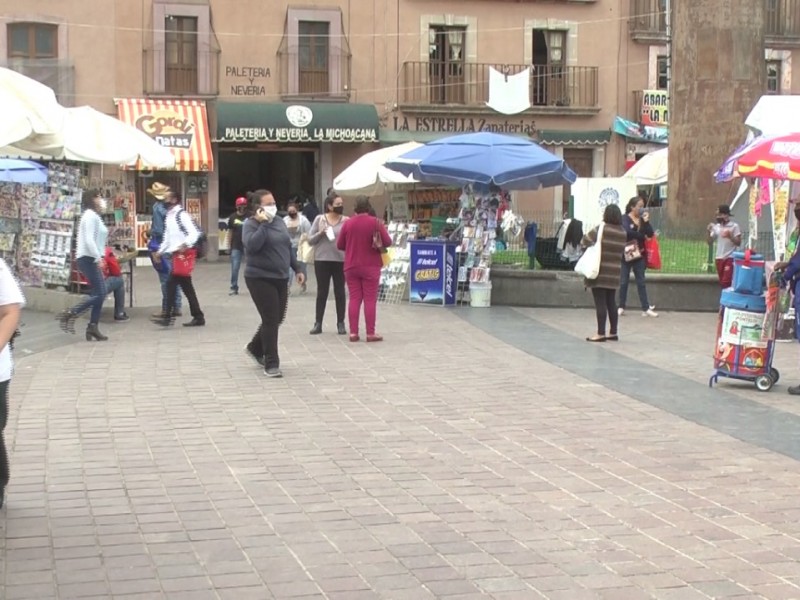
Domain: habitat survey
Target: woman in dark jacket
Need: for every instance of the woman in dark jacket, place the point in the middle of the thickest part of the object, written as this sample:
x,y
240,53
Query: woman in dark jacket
x,y
268,249
638,228
604,286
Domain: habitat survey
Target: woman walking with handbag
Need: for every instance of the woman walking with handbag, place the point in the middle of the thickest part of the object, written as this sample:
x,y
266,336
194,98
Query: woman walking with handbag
x,y
89,252
329,261
636,223
364,240
268,249
610,238
180,237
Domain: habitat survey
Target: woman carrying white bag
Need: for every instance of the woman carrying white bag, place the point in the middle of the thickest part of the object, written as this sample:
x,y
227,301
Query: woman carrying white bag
x,y
601,265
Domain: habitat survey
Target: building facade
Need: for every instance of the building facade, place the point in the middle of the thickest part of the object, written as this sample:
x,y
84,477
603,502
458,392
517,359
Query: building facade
x,y
285,95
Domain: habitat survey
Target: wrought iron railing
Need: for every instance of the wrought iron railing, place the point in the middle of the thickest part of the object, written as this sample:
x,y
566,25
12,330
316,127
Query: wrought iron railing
x,y
308,75
433,83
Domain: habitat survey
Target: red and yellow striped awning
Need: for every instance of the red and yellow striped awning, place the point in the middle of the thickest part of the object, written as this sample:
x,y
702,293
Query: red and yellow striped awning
x,y
180,125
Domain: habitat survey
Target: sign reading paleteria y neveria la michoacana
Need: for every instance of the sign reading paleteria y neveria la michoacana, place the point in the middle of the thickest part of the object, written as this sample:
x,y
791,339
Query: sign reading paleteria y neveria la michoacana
x,y
300,130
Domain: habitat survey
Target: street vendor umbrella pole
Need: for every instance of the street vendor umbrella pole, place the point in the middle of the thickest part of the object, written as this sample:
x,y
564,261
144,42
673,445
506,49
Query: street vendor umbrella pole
x,y
486,159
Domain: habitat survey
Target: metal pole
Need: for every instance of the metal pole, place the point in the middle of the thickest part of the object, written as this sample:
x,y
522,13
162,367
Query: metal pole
x,y
668,27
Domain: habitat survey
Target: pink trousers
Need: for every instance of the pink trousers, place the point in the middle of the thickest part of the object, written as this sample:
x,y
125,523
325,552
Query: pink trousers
x,y
362,283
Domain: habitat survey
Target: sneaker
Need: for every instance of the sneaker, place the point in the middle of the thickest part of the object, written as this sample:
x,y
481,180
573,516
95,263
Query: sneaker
x,y
273,372
650,312
233,293
794,391
258,359
122,317
620,311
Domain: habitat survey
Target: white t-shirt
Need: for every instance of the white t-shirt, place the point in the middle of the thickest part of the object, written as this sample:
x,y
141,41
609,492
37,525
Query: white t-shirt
x,y
10,293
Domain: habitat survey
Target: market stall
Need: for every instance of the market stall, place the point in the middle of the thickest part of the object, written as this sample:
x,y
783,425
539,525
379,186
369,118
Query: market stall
x,y
485,167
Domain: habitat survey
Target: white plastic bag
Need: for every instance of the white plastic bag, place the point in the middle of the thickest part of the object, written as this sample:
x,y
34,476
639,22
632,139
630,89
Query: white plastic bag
x,y
588,264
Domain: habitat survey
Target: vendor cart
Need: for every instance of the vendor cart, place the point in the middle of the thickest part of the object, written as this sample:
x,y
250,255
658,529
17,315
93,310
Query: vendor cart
x,y
746,337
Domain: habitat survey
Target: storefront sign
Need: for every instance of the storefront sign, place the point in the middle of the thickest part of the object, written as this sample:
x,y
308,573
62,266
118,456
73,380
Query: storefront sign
x,y
253,86
168,127
299,134
432,273
640,132
463,125
655,108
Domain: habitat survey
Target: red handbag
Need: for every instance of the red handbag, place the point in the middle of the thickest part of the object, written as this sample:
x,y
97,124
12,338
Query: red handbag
x,y
183,262
653,251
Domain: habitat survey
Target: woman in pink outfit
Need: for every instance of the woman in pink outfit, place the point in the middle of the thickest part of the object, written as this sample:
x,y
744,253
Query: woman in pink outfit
x,y
362,265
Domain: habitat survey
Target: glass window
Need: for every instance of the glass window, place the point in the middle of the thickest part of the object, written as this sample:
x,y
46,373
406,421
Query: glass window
x,y
32,40
773,77
662,65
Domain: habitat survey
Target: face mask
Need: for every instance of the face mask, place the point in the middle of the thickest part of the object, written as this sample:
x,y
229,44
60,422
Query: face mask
x,y
721,220
271,211
338,210
102,204
293,214
640,211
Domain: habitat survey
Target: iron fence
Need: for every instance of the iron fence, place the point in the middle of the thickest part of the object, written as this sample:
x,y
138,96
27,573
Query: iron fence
x,y
683,250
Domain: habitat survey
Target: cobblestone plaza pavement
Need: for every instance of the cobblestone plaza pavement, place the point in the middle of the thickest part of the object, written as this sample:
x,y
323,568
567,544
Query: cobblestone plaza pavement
x,y
477,453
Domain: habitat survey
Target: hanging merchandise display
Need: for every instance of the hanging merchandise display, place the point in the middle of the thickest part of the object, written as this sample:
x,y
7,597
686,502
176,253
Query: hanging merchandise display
x,y
432,207
394,277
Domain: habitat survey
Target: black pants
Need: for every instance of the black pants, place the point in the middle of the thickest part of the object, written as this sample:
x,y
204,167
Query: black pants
x,y
4,468
185,283
606,306
270,297
325,270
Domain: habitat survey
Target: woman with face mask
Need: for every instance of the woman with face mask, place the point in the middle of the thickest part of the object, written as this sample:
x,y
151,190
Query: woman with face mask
x,y
636,222
269,260
329,261
298,227
90,248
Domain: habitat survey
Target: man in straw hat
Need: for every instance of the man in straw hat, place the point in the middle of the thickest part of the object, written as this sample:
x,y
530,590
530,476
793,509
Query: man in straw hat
x,y
160,192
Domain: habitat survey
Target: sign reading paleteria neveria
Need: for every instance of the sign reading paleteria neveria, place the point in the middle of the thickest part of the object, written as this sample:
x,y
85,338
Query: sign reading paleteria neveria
x,y
168,127
300,129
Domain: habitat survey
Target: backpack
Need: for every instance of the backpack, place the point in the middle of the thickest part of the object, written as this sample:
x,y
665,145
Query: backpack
x,y
201,245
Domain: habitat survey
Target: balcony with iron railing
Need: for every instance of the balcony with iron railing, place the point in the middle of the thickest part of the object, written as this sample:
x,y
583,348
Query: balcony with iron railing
x,y
445,87
307,74
57,74
194,77
648,22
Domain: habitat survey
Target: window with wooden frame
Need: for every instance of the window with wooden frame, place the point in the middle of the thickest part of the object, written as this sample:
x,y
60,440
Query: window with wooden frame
x,y
32,40
773,76
314,57
180,53
548,82
662,72
446,64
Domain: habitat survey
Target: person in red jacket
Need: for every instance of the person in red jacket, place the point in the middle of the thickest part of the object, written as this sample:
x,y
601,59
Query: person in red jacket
x,y
362,265
114,283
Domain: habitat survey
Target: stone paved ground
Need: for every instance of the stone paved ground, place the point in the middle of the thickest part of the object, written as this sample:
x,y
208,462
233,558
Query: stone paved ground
x,y
444,463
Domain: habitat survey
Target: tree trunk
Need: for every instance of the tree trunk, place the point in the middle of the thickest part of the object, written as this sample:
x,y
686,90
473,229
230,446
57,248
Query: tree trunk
x,y
718,75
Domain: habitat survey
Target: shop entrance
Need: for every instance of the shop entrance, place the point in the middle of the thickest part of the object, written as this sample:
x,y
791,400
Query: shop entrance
x,y
285,173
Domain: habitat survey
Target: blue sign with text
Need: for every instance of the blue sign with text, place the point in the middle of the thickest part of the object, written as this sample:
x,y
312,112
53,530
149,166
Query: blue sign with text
x,y
433,273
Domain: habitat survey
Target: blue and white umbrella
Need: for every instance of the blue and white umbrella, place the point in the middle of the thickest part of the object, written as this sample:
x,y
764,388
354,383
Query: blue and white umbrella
x,y
22,171
484,159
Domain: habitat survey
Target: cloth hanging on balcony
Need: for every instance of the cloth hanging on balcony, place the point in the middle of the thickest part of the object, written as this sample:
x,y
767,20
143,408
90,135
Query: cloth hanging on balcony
x,y
509,94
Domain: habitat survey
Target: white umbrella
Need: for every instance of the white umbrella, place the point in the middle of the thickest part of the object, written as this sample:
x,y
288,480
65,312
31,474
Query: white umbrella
x,y
651,169
28,108
91,136
368,176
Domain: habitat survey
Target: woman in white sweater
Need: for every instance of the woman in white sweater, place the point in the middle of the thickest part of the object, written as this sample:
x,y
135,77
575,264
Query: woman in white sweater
x,y
90,248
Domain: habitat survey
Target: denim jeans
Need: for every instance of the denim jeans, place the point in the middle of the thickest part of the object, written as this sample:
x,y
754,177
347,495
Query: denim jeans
x,y
638,267
97,289
116,284
163,277
302,265
236,264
